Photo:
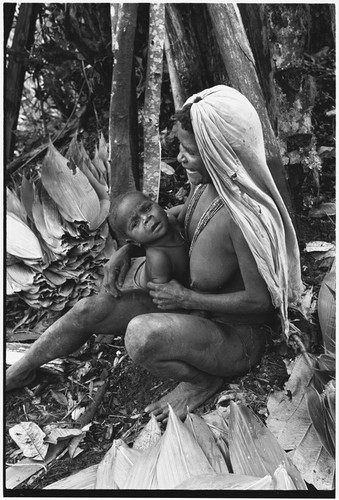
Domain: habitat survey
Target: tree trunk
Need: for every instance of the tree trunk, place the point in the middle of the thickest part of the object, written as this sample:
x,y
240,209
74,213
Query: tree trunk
x,y
152,150
9,11
253,16
186,52
176,87
15,71
119,120
241,69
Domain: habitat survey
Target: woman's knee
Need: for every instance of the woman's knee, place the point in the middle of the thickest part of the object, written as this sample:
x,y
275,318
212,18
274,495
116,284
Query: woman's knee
x,y
143,337
92,309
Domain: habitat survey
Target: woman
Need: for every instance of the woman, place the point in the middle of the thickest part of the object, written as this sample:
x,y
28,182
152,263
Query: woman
x,y
244,267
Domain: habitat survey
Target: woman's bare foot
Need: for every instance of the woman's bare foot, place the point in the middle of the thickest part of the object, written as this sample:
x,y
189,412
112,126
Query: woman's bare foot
x,y
186,396
15,380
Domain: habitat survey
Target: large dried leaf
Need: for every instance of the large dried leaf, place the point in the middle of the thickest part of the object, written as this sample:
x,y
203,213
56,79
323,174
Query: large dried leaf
x,y
55,434
316,466
290,422
207,442
325,209
226,482
217,421
282,480
288,416
316,409
327,309
27,195
76,153
254,450
318,246
51,215
180,455
19,277
100,166
115,467
30,439
20,240
148,436
54,243
14,205
82,480
143,474
18,473
82,160
70,189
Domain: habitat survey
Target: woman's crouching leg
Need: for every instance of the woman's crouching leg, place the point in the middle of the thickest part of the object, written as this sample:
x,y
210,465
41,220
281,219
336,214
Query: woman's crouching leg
x,y
170,346
100,313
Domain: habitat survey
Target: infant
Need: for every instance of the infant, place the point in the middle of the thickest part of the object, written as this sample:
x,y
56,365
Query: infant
x,y
141,221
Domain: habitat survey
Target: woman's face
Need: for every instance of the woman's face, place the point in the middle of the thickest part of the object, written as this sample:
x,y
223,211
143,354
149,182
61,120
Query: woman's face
x,y
190,158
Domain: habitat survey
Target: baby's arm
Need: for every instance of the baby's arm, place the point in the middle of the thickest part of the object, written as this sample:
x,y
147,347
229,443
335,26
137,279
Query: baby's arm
x,y
158,265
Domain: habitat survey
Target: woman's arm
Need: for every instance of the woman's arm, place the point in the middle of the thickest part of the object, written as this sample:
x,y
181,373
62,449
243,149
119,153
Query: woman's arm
x,y
254,298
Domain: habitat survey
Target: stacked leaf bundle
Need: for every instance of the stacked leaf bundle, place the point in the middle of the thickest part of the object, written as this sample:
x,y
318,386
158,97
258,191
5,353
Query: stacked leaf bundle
x,y
57,228
209,453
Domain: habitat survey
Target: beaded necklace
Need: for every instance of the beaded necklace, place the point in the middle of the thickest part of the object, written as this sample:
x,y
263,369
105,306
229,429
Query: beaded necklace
x,y
209,213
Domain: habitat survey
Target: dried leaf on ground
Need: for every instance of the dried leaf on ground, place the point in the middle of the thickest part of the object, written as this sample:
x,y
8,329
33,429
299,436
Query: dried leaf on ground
x,y
18,473
55,434
226,482
30,439
207,442
148,436
180,455
254,450
82,480
290,422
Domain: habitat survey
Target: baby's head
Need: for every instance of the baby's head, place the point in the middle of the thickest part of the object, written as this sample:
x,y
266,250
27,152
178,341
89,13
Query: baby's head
x,y
138,219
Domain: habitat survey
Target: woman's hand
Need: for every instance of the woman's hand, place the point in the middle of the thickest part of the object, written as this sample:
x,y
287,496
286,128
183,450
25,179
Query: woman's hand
x,y
170,295
115,271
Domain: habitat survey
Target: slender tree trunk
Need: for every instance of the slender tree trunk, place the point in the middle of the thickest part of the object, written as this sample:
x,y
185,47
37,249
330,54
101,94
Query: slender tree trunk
x,y
152,150
119,121
241,69
177,90
15,71
9,11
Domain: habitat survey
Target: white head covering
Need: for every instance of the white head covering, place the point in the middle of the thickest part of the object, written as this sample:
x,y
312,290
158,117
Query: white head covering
x,y
229,137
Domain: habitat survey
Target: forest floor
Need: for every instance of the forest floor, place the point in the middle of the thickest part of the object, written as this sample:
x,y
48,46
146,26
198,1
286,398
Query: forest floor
x,y
130,388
